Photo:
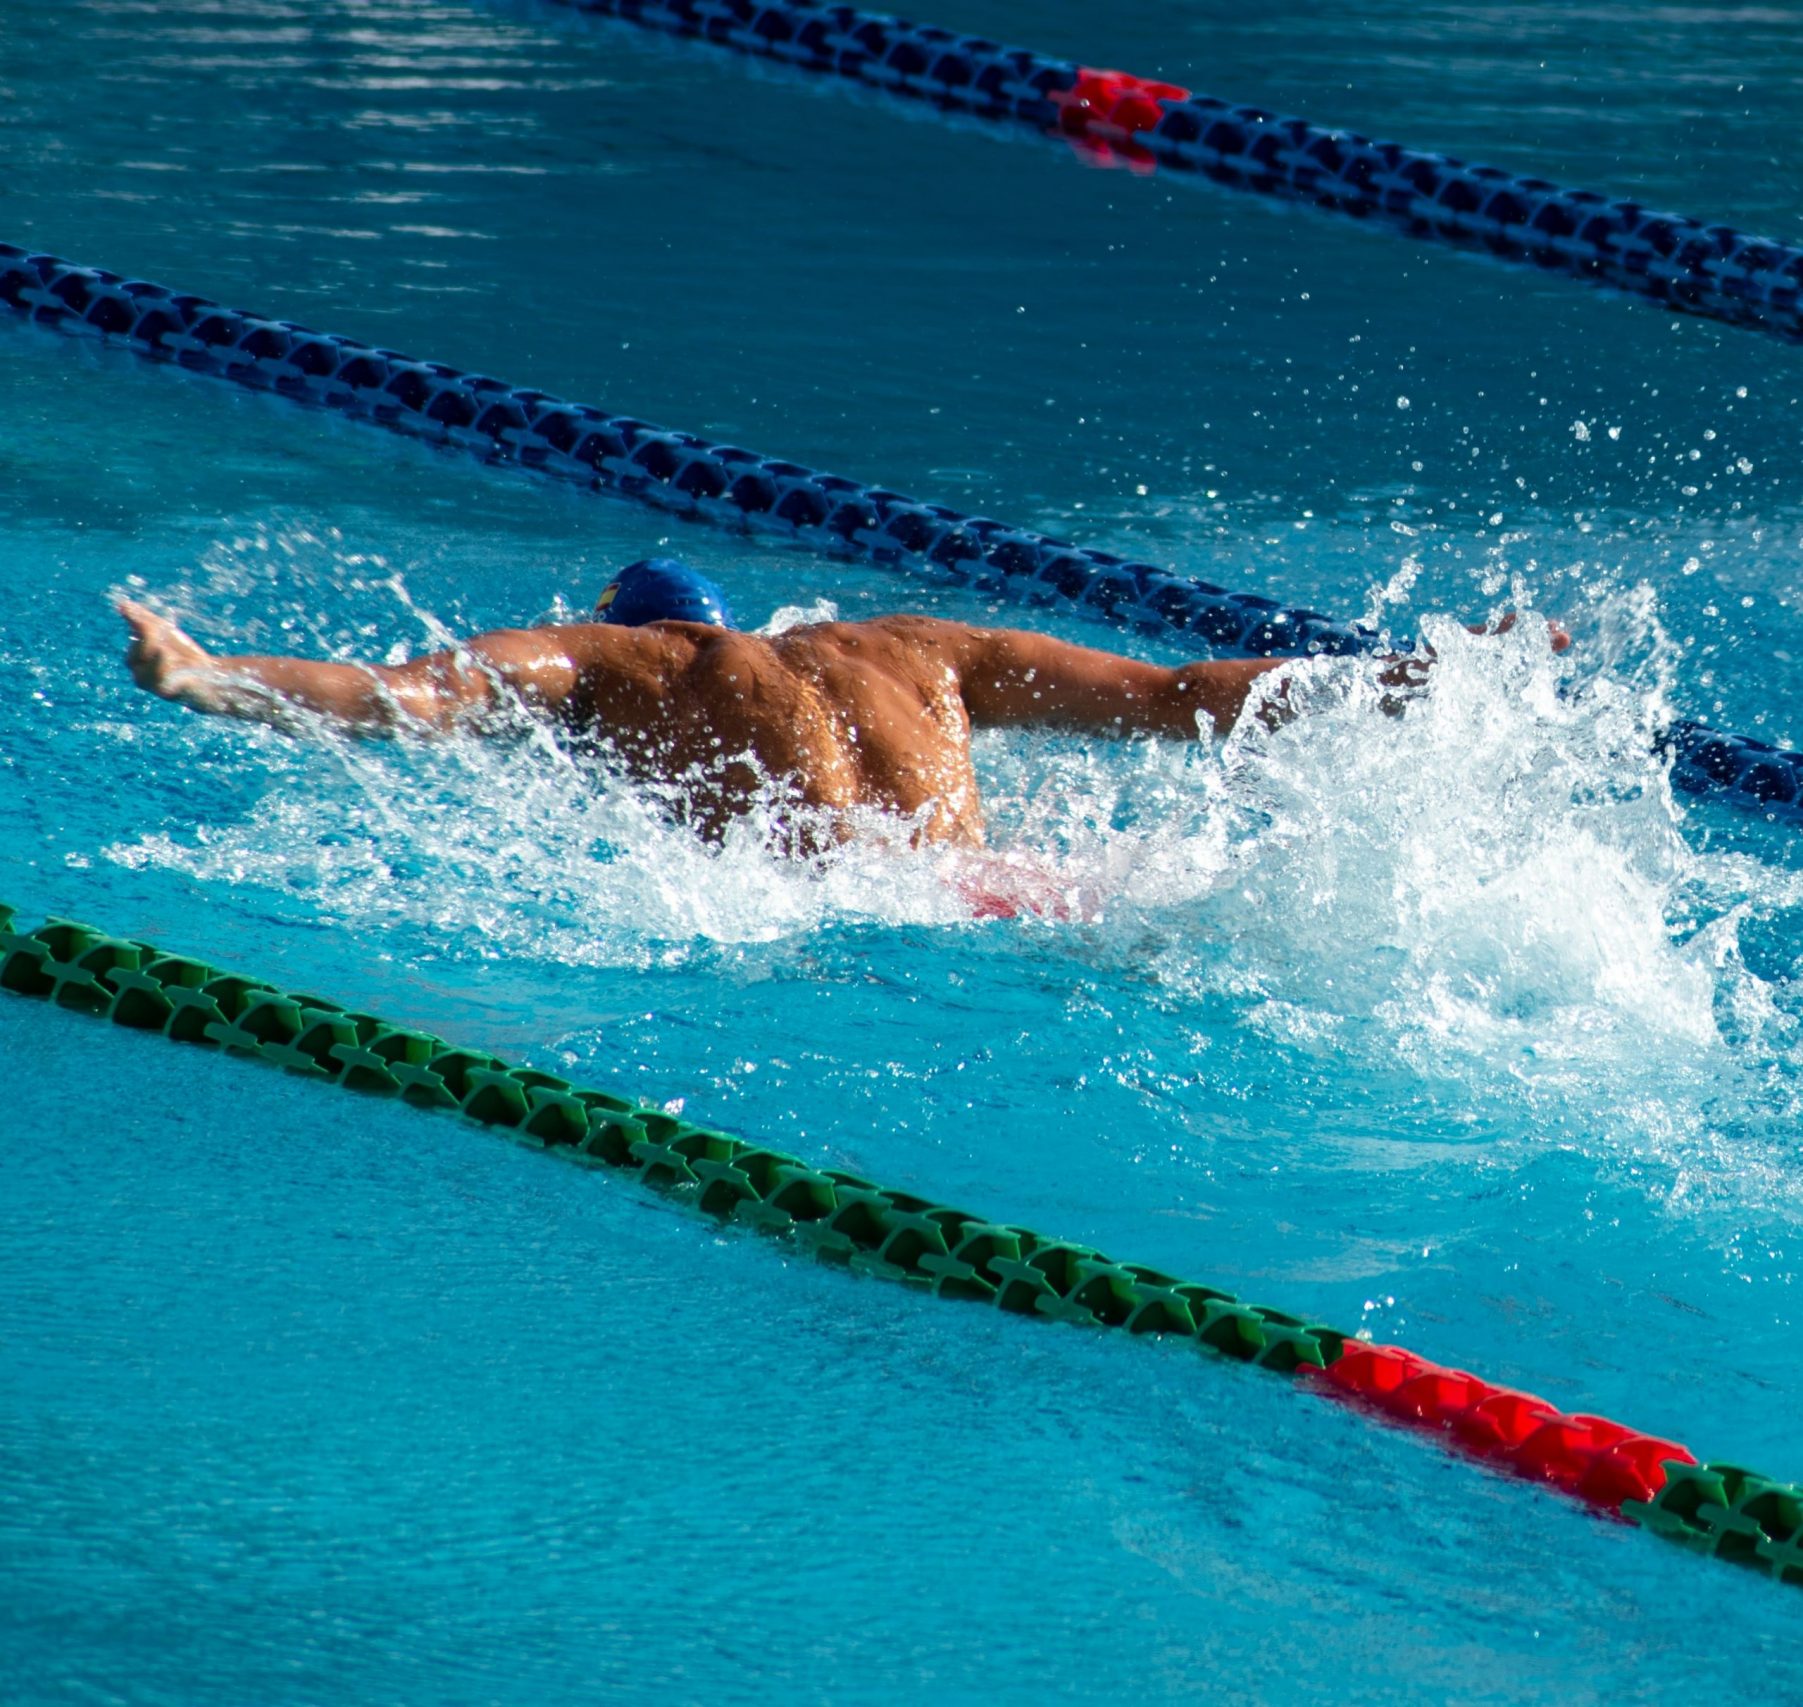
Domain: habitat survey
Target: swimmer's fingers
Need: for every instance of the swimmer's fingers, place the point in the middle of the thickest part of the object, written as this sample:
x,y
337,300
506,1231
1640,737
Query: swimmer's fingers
x,y
162,659
1556,634
140,654
1405,671
1404,677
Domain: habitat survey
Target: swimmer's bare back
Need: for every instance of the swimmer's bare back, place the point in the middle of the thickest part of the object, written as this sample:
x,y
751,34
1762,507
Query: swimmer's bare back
x,y
844,714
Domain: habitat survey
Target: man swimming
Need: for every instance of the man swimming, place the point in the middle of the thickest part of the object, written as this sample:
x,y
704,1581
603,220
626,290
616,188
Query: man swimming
x,y
839,715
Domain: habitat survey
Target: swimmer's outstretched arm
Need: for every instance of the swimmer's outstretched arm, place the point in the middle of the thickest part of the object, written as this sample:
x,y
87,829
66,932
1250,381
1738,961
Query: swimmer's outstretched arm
x,y
424,695
1009,676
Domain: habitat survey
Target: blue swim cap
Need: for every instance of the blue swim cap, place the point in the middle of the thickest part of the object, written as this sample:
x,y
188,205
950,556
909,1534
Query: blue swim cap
x,y
661,589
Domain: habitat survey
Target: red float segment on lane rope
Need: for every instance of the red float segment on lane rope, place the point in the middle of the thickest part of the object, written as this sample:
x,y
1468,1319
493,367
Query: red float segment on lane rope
x,y
1114,101
1103,113
1600,1461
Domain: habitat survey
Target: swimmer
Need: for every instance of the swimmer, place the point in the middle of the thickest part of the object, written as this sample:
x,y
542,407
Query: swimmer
x,y
874,714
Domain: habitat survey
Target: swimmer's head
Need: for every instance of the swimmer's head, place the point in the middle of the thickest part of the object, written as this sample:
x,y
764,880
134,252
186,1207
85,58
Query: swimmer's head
x,y
661,589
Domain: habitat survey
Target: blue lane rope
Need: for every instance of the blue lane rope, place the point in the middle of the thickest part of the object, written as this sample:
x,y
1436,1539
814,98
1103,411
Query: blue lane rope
x,y
1750,774
685,474
1689,265
675,471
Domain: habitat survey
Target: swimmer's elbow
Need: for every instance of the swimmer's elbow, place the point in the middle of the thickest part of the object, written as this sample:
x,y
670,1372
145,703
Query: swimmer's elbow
x,y
1215,692
428,697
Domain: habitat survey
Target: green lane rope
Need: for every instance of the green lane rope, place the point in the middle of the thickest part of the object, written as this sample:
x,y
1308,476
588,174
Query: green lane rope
x,y
837,1216
847,1220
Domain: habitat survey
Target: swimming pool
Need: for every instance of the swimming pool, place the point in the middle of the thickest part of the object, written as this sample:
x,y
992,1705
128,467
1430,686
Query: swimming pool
x,y
1456,1029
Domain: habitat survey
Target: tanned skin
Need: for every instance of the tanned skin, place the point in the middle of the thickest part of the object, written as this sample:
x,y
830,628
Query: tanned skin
x,y
846,714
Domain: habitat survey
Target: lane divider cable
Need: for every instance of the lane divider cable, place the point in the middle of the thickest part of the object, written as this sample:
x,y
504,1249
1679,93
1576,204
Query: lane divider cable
x,y
1689,265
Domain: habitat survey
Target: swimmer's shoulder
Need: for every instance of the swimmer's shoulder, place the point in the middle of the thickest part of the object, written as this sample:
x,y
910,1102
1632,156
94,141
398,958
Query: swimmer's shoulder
x,y
601,640
649,652
905,629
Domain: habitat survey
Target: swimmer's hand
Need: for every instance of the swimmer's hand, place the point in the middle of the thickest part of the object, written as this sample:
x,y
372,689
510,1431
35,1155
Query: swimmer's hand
x,y
1556,635
429,695
1407,674
166,662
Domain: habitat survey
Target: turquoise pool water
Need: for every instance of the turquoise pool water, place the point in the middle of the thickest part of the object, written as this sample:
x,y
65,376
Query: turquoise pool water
x,y
1456,1029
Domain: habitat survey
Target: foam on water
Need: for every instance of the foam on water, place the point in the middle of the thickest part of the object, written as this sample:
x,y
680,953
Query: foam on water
x,y
1494,894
